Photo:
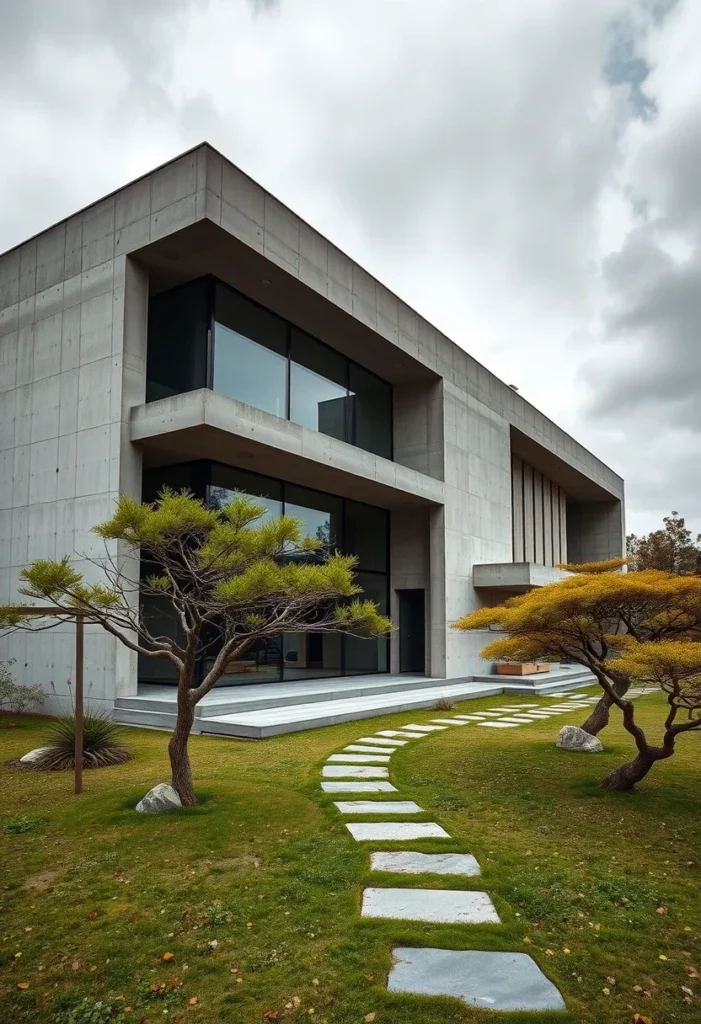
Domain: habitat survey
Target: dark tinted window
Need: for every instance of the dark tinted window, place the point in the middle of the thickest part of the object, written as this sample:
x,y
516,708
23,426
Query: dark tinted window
x,y
371,654
321,515
372,411
250,353
318,387
225,481
177,341
366,535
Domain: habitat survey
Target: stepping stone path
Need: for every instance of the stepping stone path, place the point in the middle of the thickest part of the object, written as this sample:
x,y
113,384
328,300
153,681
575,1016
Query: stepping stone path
x,y
407,863
492,980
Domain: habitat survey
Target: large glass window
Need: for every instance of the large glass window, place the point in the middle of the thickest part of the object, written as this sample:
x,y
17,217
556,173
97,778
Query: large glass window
x,y
318,387
177,341
340,524
250,353
205,334
372,411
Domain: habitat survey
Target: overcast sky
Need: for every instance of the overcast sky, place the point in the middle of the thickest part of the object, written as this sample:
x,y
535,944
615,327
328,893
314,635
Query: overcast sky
x,y
525,173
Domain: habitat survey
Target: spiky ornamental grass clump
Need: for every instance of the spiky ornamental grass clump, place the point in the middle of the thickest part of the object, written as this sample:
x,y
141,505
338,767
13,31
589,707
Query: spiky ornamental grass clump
x,y
102,745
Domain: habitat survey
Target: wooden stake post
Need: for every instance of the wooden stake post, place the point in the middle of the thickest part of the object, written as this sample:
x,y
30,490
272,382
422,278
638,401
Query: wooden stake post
x,y
79,617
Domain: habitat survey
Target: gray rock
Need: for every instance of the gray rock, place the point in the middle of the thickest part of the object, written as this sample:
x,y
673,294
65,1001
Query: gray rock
x,y
573,738
158,800
35,755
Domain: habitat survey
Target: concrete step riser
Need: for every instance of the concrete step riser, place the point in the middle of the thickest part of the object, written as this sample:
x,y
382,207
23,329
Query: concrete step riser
x,y
261,703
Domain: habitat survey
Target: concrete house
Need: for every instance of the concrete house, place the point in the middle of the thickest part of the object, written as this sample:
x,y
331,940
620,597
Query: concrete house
x,y
190,329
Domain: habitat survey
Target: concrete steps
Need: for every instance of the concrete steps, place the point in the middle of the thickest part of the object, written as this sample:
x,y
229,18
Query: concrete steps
x,y
256,711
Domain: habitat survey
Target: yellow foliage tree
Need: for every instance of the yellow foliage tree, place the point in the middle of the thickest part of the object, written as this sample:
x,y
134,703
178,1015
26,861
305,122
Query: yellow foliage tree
x,y
643,626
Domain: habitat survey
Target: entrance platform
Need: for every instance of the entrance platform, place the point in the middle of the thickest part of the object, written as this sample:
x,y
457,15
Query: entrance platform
x,y
259,710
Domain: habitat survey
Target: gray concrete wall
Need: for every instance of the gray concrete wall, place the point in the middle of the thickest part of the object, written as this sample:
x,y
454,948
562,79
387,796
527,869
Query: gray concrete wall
x,y
527,487
72,360
72,344
595,531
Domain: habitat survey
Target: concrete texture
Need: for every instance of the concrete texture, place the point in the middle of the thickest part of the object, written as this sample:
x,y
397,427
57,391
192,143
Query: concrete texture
x,y
74,425
378,807
358,787
382,831
438,906
408,735
349,771
424,728
409,863
381,741
493,981
500,725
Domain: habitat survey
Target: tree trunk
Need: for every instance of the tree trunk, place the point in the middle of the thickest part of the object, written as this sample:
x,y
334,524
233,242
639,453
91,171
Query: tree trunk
x,y
599,718
624,778
181,772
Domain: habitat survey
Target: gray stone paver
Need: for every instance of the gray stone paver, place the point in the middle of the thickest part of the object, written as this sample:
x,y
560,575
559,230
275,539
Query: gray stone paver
x,y
361,748
501,725
382,741
378,807
448,721
360,758
381,831
358,787
402,733
351,771
408,862
494,981
439,906
425,728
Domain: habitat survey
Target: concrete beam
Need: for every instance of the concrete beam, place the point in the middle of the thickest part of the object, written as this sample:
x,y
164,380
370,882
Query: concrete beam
x,y
203,424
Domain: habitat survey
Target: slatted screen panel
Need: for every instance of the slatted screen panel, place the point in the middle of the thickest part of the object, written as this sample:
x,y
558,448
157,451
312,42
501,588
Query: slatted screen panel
x,y
539,516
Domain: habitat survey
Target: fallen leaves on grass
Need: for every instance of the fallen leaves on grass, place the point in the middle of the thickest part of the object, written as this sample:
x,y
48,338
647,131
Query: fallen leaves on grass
x,y
168,956
370,1016
23,985
639,1019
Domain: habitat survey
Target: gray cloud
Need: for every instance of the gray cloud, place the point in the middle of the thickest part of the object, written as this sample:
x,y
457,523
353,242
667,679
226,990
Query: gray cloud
x,y
525,173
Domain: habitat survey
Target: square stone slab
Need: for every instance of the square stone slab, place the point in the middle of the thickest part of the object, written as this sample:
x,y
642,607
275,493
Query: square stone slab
x,y
350,771
522,706
383,830
502,725
359,758
404,734
511,721
407,862
489,714
361,748
378,807
448,721
358,787
493,981
381,741
439,906
425,728
471,718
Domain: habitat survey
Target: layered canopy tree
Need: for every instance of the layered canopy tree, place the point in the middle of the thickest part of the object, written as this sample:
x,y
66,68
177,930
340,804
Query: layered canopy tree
x,y
623,627
672,549
232,576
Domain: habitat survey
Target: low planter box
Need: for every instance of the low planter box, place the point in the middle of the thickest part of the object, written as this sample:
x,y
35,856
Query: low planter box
x,y
523,669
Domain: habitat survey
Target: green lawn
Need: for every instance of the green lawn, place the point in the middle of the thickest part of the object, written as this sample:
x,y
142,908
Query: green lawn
x,y
255,893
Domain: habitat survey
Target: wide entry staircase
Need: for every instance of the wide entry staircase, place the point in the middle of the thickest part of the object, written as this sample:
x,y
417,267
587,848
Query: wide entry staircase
x,y
258,710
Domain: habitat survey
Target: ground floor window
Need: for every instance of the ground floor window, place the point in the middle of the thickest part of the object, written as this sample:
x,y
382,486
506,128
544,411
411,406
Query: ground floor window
x,y
340,524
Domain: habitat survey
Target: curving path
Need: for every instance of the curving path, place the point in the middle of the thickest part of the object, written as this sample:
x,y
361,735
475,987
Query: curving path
x,y
491,980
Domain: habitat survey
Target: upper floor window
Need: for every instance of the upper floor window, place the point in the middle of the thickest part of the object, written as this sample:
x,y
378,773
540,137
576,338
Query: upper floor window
x,y
205,334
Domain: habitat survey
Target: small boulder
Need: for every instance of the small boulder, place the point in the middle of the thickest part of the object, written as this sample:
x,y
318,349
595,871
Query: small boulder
x,y
35,755
158,800
573,738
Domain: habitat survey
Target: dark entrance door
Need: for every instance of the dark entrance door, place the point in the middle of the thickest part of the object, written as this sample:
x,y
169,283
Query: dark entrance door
x,y
412,626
